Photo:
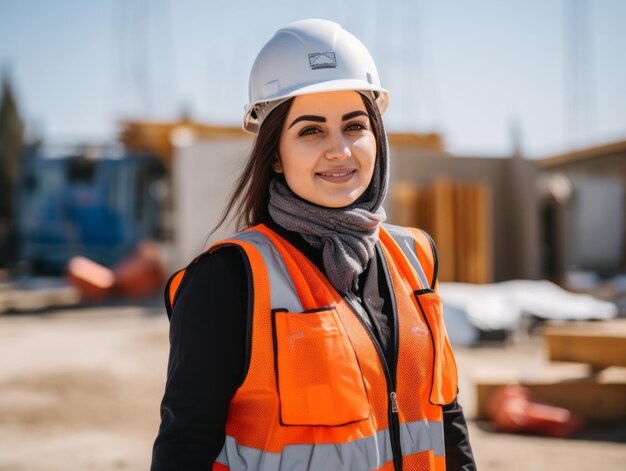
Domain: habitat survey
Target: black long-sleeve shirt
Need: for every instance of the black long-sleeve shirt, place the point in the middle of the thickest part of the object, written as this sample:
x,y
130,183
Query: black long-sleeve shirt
x,y
208,354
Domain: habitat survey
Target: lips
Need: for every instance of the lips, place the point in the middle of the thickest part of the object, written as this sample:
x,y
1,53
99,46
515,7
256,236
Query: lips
x,y
336,175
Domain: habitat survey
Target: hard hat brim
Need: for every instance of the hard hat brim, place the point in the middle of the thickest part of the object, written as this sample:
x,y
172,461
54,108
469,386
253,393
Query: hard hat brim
x,y
251,124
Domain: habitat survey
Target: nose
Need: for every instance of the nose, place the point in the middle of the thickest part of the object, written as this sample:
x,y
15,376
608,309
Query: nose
x,y
338,147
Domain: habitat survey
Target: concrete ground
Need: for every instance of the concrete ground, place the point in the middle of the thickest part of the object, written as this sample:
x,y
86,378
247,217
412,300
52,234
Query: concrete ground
x,y
80,390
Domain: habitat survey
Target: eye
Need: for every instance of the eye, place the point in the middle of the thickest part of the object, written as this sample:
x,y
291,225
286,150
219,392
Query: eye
x,y
356,126
309,130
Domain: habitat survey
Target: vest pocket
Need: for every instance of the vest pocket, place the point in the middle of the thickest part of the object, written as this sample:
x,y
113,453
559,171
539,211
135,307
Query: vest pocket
x,y
318,376
445,381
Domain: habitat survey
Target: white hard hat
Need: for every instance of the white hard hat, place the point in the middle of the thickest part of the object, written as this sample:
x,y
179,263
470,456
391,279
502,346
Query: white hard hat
x,y
309,56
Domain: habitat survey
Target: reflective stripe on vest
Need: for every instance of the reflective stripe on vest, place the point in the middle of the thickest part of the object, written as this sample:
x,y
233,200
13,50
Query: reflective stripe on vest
x,y
422,435
367,453
282,292
406,242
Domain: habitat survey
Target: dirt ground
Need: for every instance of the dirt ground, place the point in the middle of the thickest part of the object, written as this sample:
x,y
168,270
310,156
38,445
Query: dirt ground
x,y
80,390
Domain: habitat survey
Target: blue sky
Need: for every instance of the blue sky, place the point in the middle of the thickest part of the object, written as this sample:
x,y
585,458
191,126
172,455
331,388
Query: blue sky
x,y
467,69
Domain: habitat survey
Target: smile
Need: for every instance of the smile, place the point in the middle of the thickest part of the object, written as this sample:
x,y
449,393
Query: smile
x,y
341,174
337,176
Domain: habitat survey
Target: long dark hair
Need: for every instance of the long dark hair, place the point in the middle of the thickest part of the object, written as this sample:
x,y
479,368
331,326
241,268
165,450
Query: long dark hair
x,y
250,197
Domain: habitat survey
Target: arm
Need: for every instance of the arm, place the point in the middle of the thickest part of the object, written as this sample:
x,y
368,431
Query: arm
x,y
206,361
459,455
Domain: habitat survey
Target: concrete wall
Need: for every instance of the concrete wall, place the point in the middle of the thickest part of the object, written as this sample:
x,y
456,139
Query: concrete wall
x,y
598,205
515,202
204,175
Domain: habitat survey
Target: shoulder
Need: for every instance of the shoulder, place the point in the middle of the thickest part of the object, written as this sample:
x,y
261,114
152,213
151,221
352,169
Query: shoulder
x,y
425,242
421,243
226,261
221,266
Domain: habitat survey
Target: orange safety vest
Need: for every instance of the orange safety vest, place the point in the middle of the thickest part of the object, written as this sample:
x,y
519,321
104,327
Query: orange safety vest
x,y
318,393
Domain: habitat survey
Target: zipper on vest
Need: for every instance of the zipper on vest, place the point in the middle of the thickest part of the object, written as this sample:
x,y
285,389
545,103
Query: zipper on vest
x,y
394,422
394,402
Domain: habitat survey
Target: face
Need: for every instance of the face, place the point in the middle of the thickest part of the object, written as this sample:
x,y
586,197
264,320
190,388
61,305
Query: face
x,y
327,149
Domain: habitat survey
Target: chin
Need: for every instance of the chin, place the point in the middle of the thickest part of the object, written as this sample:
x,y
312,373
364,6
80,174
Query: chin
x,y
331,200
336,205
337,202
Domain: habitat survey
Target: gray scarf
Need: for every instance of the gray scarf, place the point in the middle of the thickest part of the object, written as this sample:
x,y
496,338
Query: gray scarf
x,y
345,235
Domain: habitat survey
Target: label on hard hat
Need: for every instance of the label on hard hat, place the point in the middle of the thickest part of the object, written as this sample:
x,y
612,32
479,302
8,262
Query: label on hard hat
x,y
322,60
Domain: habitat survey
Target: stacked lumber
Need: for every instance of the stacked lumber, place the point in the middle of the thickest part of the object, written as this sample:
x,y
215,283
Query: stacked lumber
x,y
596,392
458,217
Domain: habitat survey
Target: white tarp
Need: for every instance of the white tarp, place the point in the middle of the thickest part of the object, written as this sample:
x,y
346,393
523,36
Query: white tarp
x,y
503,305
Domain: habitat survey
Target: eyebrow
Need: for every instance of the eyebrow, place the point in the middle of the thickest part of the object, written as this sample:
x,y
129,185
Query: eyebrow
x,y
353,114
321,119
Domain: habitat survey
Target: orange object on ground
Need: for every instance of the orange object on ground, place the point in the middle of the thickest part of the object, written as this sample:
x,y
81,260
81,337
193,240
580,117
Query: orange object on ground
x,y
517,409
94,281
141,273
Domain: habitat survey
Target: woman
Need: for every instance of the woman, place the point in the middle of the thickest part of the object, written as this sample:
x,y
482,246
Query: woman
x,y
314,339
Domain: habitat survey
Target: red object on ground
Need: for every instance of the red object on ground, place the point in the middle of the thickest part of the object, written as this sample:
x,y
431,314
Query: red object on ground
x,y
94,281
141,273
517,409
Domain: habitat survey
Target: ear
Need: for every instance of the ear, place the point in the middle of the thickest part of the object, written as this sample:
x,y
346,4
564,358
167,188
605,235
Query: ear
x,y
277,167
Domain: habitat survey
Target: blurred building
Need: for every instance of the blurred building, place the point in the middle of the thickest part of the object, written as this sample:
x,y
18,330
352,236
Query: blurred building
x,y
583,211
480,211
503,218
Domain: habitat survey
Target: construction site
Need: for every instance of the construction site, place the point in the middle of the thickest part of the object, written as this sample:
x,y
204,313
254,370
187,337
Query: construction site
x,y
531,264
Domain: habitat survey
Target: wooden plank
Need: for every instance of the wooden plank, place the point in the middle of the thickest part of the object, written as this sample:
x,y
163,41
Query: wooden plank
x,y
600,344
472,229
445,228
424,210
461,236
471,256
484,224
405,201
458,216
588,398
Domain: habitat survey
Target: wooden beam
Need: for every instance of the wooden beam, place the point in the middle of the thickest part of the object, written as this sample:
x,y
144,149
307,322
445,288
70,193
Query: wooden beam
x,y
442,212
600,344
